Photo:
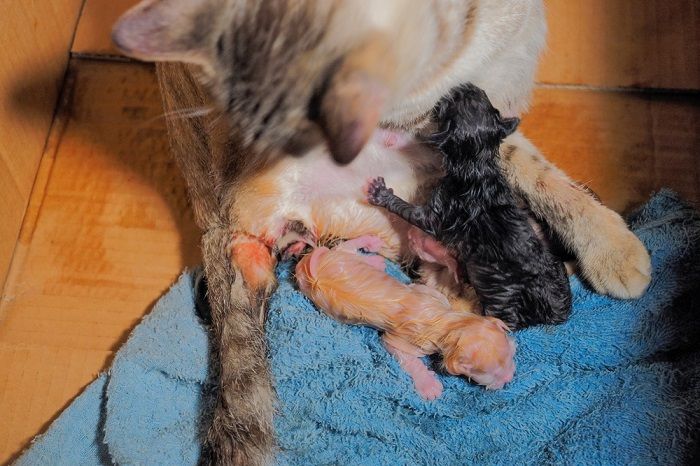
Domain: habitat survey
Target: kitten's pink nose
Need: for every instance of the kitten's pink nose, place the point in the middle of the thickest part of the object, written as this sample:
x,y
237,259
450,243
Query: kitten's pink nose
x,y
502,377
392,139
507,376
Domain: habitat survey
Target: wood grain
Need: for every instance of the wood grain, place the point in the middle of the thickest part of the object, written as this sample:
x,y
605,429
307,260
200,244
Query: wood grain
x,y
93,36
605,43
35,38
623,43
624,145
108,230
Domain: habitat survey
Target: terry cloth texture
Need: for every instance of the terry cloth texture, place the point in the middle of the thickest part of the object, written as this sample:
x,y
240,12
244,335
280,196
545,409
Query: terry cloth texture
x,y
618,383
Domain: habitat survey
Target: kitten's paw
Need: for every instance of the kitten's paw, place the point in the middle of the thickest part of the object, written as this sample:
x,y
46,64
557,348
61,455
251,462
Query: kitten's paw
x,y
616,262
428,386
377,192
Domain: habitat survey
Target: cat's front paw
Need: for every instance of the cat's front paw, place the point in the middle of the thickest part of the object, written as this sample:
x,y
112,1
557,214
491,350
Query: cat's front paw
x,y
377,192
616,262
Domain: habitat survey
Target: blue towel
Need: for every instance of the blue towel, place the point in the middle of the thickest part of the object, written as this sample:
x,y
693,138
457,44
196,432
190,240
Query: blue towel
x,y
618,383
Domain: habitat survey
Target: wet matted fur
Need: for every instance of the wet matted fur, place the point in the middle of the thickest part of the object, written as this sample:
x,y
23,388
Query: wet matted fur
x,y
475,215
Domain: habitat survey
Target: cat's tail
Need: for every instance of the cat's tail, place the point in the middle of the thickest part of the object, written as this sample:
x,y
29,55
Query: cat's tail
x,y
240,430
237,428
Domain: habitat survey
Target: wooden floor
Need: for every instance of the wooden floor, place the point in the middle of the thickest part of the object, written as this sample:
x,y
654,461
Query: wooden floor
x,y
108,227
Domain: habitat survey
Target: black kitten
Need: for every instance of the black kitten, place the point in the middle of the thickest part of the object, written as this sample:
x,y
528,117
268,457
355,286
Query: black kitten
x,y
474,214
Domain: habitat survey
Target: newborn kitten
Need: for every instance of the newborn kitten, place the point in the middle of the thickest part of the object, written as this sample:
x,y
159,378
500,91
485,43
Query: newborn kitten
x,y
417,320
475,215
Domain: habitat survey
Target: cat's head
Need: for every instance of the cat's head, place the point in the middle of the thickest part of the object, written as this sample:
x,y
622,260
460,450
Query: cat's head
x,y
467,115
288,73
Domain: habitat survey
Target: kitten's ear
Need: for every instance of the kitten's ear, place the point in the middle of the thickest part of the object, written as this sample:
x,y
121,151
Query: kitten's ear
x,y
160,30
509,125
351,104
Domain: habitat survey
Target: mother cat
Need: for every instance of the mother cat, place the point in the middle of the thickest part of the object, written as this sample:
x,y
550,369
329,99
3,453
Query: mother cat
x,y
305,77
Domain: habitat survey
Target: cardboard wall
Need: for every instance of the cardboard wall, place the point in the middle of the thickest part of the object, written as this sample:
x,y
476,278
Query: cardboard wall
x,y
35,39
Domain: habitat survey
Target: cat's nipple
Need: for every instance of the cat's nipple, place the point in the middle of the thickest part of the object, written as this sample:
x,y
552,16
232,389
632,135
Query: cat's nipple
x,y
392,139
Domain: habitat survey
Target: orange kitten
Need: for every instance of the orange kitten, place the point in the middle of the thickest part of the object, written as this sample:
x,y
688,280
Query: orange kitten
x,y
417,320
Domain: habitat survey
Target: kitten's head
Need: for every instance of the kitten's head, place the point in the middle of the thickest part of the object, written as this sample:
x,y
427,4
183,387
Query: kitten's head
x,y
289,74
467,115
480,349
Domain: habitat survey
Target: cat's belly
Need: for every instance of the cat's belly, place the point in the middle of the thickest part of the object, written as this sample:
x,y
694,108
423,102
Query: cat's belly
x,y
329,199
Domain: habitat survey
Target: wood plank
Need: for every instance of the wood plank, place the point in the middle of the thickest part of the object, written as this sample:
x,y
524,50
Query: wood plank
x,y
93,36
35,38
623,43
624,145
605,43
107,232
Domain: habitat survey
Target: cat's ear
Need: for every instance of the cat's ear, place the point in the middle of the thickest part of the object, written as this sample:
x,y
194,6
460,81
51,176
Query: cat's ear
x,y
509,125
352,102
160,30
